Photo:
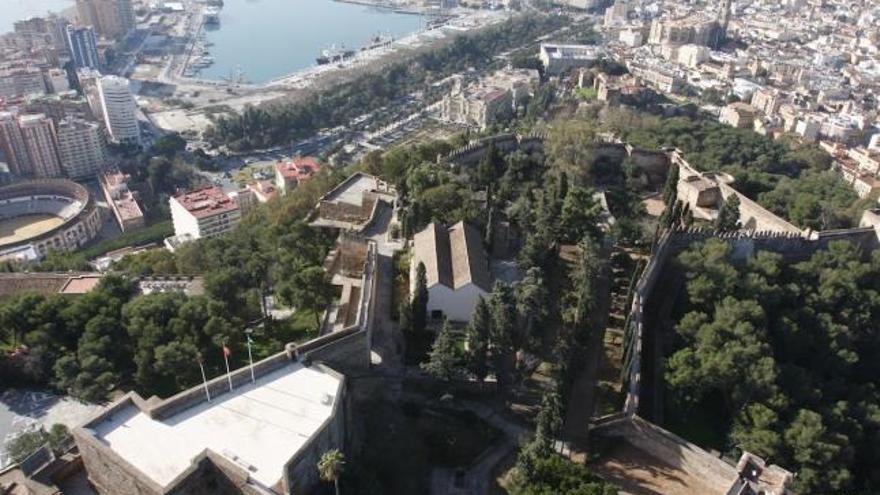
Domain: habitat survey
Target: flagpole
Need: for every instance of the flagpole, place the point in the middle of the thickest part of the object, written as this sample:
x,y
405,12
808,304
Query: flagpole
x,y
251,358
204,378
228,373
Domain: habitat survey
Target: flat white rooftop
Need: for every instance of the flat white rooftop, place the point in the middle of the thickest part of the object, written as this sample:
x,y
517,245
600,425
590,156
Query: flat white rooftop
x,y
258,426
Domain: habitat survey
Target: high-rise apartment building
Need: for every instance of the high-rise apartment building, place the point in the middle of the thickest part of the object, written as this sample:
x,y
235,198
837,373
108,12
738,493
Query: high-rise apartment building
x,y
83,47
112,19
13,145
120,109
41,142
81,147
19,81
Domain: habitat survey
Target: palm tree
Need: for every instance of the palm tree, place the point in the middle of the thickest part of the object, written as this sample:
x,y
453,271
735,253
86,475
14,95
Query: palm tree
x,y
331,466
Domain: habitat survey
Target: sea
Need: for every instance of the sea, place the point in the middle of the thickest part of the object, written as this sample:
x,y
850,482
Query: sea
x,y
267,39
16,10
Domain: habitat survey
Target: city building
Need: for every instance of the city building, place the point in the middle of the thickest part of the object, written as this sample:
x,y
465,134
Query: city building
x,y
56,81
767,101
808,129
81,147
261,191
631,38
457,269
740,115
290,173
492,99
617,13
13,145
119,109
203,213
696,29
122,201
41,142
112,19
476,106
83,47
663,78
89,82
557,58
579,4
692,55
18,81
260,434
868,159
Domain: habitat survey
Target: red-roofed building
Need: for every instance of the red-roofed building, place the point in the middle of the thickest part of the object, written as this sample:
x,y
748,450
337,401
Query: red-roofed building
x,y
206,212
290,173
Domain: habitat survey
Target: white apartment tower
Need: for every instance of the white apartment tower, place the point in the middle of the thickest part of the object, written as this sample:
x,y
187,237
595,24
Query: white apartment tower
x,y
41,143
206,212
81,147
119,109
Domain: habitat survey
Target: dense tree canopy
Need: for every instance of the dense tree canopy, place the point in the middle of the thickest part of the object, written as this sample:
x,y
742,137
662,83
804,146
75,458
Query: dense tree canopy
x,y
789,354
792,180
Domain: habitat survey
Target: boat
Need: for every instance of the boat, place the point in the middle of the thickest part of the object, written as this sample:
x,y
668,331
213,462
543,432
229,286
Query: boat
x,y
334,54
212,15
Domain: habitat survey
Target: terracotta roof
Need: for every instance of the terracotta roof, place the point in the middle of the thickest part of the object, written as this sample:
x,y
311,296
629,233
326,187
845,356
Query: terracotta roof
x,y
453,257
298,168
206,202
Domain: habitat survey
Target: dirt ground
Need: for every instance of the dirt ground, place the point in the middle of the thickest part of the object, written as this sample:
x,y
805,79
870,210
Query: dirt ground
x,y
638,473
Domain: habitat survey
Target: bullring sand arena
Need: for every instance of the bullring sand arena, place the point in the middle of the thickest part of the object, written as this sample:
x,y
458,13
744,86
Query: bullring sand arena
x,y
15,230
47,215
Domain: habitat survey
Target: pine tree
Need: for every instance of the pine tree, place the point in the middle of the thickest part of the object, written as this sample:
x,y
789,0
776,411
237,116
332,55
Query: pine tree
x,y
443,361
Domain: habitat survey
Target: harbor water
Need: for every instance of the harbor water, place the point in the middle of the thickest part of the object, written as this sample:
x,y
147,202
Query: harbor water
x,y
267,39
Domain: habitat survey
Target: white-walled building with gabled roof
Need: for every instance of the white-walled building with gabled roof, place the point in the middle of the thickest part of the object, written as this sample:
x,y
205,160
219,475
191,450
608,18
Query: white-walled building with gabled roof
x,y
456,268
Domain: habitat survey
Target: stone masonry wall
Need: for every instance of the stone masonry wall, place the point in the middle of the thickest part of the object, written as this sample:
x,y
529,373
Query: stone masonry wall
x,y
669,448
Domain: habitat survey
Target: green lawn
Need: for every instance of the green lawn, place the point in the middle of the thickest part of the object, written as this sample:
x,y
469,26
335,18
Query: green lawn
x,y
153,233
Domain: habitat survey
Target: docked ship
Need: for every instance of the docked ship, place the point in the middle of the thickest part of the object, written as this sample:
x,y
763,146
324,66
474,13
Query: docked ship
x,y
212,15
333,55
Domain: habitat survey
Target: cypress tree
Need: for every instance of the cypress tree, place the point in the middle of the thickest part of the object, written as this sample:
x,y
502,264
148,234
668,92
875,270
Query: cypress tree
x,y
419,307
477,335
